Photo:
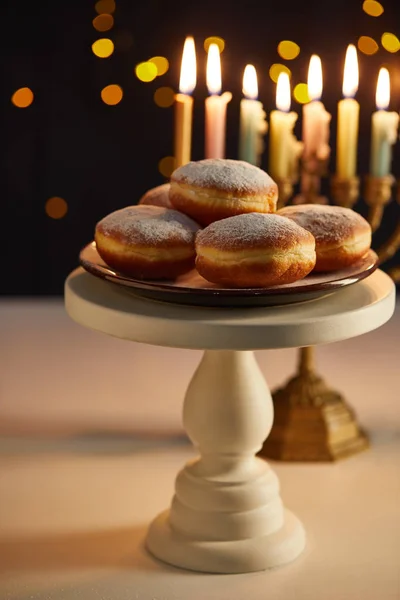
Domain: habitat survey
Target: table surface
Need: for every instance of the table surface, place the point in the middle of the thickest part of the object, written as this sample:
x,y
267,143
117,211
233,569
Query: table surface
x,y
91,443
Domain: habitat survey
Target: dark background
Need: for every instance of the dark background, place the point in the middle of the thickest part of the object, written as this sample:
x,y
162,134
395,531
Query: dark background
x,y
68,143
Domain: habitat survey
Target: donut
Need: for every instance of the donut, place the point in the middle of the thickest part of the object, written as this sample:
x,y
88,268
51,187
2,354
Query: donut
x,y
158,196
215,188
342,236
254,250
147,242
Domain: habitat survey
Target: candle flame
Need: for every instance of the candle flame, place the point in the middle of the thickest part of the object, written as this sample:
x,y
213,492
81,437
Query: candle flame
x,y
314,81
187,81
214,70
383,90
283,92
350,76
250,85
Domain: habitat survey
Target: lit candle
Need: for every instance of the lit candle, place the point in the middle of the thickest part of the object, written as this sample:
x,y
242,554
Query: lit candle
x,y
315,123
215,107
253,125
184,104
284,148
348,117
384,128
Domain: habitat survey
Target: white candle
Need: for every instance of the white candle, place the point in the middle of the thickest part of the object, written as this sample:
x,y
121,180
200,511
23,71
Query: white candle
x,y
284,148
384,128
184,104
253,125
215,106
348,118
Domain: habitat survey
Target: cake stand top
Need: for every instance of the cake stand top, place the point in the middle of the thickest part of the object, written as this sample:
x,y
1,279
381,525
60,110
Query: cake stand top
x,y
350,312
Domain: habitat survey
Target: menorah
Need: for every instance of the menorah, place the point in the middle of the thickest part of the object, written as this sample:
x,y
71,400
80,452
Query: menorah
x,y
314,422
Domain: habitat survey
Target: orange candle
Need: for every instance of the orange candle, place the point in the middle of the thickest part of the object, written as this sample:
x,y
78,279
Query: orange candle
x,y
184,104
215,118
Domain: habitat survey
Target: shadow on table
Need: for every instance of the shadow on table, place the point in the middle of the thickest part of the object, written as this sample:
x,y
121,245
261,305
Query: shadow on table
x,y
115,548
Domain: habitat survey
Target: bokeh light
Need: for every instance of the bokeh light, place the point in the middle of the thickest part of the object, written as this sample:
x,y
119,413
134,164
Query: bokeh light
x,y
112,94
22,97
214,40
367,45
56,208
161,63
103,22
166,166
373,8
390,42
300,93
105,7
103,48
164,97
146,71
288,50
276,69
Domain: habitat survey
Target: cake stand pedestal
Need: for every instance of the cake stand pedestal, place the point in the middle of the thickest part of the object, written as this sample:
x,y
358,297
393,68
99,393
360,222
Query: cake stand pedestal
x,y
227,515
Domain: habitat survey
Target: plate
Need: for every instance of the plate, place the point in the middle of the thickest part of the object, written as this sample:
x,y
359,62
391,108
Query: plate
x,y
192,289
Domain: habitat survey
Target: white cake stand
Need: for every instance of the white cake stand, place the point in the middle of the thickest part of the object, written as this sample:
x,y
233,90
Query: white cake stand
x,y
227,515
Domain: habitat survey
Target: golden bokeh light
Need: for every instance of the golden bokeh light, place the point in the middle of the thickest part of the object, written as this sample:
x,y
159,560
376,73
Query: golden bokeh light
x,y
103,22
214,40
146,71
164,97
300,93
288,50
103,48
276,69
112,94
22,97
166,166
56,208
367,45
373,8
390,42
105,7
161,63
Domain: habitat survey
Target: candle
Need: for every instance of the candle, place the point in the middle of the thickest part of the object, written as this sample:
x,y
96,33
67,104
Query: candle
x,y
253,125
215,107
284,148
315,124
184,104
384,128
348,117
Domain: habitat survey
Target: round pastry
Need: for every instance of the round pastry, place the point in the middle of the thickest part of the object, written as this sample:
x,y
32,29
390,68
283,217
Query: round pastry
x,y
254,250
147,242
158,196
342,236
215,188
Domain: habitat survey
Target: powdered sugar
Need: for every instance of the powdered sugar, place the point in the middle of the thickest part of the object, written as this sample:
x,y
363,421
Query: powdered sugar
x,y
148,225
328,224
233,176
158,196
253,230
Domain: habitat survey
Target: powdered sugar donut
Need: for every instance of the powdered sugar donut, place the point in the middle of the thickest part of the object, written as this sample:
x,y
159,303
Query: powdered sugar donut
x,y
157,196
254,250
147,242
213,189
342,236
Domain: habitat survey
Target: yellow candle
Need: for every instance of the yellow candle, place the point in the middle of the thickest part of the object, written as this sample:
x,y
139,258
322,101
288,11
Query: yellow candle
x,y
253,125
215,107
184,105
348,117
384,128
284,148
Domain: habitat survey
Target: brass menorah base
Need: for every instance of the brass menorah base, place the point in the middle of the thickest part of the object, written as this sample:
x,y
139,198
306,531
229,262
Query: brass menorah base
x,y
312,422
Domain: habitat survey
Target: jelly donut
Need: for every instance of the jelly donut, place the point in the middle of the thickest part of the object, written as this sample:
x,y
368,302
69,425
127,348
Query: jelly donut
x,y
342,236
215,188
147,242
158,196
254,250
